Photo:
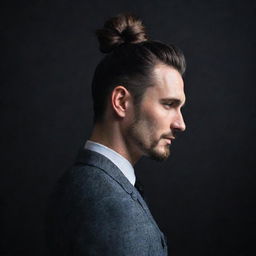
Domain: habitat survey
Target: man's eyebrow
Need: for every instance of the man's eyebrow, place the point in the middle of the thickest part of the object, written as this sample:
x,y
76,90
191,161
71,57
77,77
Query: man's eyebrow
x,y
176,101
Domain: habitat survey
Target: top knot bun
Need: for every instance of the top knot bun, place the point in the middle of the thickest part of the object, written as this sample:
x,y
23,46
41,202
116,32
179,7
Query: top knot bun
x,y
124,28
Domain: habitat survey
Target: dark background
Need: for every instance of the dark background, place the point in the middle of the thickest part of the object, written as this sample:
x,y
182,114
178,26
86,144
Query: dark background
x,y
203,196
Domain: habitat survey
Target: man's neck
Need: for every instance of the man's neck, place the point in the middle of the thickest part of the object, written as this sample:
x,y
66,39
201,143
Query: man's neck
x,y
110,135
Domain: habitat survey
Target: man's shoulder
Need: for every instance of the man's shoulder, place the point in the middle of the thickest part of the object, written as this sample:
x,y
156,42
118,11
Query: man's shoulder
x,y
89,166
83,178
84,172
92,171
93,179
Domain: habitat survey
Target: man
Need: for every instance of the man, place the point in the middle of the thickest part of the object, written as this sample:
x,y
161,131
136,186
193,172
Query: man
x,y
138,95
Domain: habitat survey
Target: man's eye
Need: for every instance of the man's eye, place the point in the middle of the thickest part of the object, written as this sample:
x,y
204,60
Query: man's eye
x,y
168,104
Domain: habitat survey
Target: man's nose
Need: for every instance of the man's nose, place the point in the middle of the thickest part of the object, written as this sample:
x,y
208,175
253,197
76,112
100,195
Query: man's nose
x,y
179,123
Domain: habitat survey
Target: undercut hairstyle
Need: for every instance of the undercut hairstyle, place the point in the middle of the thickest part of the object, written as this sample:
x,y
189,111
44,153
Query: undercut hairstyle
x,y
130,58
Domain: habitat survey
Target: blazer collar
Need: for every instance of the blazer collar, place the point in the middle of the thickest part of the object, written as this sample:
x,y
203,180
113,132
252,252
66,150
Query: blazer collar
x,y
95,159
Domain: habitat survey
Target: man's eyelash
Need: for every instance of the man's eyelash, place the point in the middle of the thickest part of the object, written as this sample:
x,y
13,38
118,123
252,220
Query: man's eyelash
x,y
169,104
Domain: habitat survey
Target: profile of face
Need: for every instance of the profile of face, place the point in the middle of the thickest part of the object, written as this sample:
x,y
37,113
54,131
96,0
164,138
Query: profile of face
x,y
158,116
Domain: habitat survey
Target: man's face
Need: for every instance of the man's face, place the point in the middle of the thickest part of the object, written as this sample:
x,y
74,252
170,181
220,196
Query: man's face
x,y
158,116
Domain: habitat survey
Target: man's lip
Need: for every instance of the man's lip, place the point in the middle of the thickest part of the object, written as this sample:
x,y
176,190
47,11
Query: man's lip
x,y
169,139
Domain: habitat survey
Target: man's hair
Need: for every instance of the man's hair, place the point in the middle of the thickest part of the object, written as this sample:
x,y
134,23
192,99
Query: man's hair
x,y
129,61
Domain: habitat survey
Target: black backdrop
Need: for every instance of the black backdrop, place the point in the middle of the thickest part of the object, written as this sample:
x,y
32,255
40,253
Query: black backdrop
x,y
203,197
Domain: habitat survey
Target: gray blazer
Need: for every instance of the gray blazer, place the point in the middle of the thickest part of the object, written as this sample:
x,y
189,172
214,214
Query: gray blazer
x,y
95,210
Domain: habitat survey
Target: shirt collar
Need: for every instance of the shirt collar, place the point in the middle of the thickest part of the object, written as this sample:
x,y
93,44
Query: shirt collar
x,y
122,163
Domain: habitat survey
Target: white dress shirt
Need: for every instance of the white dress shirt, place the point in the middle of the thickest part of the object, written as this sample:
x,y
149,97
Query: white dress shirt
x,y
122,163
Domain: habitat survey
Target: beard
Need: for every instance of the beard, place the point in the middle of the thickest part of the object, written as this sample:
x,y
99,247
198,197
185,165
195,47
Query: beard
x,y
155,154
142,134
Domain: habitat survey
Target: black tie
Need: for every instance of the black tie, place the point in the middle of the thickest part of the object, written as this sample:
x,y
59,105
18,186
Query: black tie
x,y
139,187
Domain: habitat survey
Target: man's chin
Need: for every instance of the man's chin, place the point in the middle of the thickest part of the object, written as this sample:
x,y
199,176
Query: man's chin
x,y
159,156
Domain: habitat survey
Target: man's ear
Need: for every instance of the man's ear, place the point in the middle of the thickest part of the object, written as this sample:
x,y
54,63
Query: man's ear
x,y
120,100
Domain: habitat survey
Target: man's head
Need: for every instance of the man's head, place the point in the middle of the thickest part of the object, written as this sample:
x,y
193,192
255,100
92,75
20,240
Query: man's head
x,y
151,73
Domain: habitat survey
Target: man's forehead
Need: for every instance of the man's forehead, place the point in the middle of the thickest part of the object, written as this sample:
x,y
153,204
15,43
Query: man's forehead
x,y
166,74
168,83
